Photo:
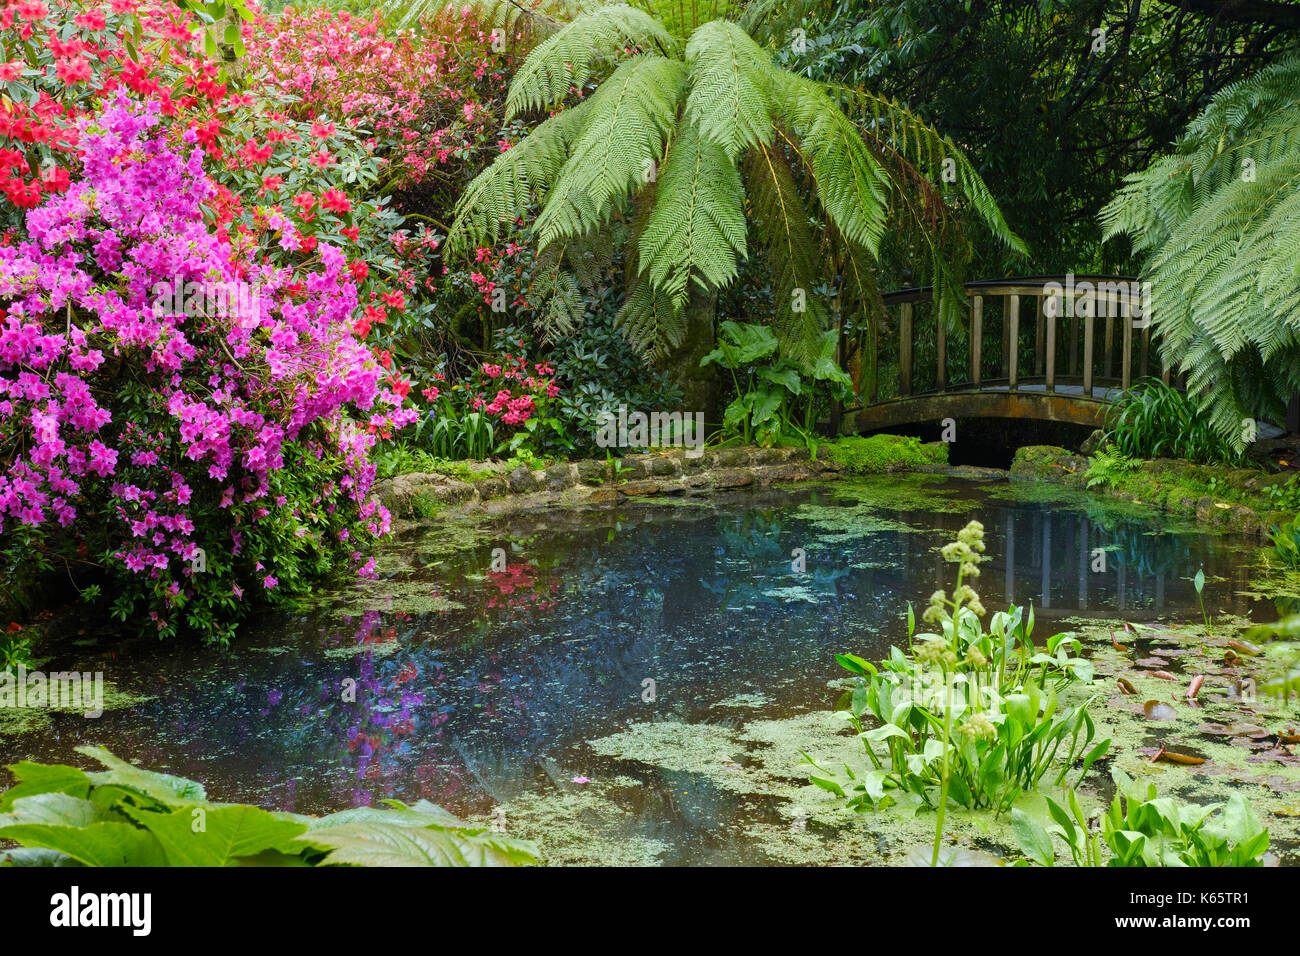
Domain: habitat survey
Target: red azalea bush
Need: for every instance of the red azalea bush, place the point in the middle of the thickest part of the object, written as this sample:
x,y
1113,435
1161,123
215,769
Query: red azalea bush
x,y
429,100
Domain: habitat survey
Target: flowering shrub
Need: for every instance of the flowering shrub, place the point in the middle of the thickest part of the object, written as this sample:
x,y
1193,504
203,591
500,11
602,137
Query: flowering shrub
x,y
429,101
68,58
502,404
201,457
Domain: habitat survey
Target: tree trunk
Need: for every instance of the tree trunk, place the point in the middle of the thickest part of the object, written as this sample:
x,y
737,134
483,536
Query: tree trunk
x,y
700,386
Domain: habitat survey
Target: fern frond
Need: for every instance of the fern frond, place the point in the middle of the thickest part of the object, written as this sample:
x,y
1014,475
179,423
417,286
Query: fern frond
x,y
567,60
504,191
696,233
851,186
627,123
730,79
781,221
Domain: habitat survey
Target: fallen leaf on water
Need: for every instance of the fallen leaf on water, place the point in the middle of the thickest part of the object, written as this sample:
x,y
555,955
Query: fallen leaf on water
x,y
1116,644
1232,730
1163,675
1126,686
1195,687
1159,710
1168,756
1244,647
1290,737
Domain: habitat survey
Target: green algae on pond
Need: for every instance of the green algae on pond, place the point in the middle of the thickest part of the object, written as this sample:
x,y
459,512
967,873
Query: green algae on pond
x,y
677,658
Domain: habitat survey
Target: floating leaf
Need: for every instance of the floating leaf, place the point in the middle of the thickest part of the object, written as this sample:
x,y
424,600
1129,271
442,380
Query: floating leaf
x,y
1232,730
1163,675
1195,687
1126,686
1244,647
1187,760
1159,710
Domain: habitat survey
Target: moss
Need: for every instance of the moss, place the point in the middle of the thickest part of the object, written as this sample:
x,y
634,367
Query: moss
x,y
879,454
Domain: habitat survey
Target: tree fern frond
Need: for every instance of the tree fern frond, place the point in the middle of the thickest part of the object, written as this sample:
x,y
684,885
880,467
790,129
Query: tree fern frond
x,y
566,60
504,191
851,186
626,128
696,233
781,220
730,79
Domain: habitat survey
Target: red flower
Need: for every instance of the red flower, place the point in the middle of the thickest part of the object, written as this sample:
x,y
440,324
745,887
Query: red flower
x,y
72,70
56,179
360,270
335,200
304,202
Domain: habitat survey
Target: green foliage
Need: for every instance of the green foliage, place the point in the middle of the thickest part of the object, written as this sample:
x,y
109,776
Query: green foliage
x,y
968,714
1143,830
1282,651
127,816
1154,420
683,139
1219,217
763,408
1109,467
878,454
15,649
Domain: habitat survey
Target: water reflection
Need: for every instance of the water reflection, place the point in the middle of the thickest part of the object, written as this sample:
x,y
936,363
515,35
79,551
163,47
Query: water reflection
x,y
496,692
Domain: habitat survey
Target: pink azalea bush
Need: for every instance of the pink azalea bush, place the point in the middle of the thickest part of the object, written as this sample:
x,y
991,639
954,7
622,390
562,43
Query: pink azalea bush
x,y
202,457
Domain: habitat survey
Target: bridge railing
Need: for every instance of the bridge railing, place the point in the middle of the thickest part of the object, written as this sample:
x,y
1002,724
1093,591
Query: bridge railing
x,y
1084,335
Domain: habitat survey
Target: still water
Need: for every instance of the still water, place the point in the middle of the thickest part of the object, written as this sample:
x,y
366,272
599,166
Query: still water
x,y
470,686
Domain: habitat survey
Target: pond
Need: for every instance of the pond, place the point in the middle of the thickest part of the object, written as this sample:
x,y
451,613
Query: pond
x,y
624,667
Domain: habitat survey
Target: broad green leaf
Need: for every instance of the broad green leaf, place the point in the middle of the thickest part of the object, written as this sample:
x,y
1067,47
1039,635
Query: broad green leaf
x,y
384,844
1034,841
163,787
36,778
226,833
99,844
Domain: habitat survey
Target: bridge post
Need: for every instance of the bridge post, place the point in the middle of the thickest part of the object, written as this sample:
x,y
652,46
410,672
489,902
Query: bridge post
x,y
1088,321
1051,348
905,350
1127,360
1013,339
976,338
1108,363
1039,330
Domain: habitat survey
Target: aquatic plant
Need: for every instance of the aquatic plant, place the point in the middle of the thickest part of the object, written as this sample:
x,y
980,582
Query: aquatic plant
x,y
1142,829
968,714
1155,420
127,816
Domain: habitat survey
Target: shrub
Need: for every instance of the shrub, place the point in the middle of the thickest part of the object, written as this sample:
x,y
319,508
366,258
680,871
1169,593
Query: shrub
x,y
199,455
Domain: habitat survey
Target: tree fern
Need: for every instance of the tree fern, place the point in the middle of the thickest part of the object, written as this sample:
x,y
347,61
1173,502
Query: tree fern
x,y
1220,220
670,127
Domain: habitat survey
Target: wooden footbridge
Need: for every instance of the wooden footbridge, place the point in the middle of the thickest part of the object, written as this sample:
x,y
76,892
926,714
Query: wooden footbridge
x,y
1053,348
